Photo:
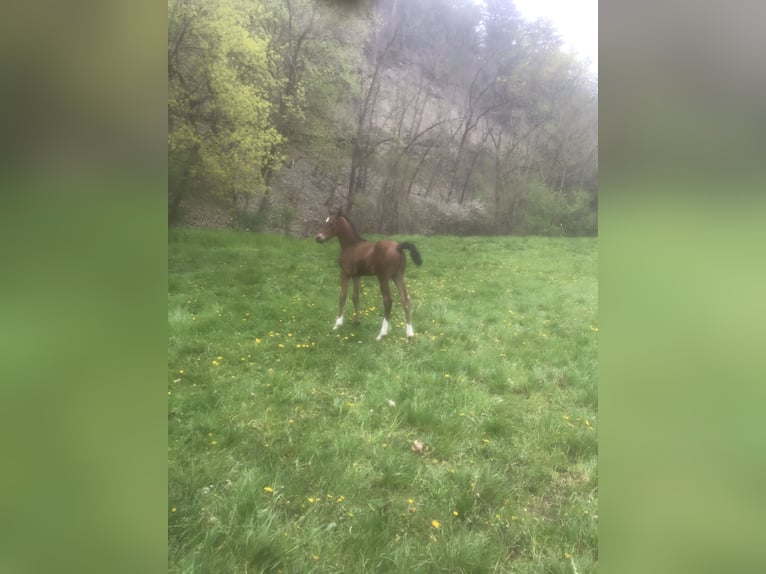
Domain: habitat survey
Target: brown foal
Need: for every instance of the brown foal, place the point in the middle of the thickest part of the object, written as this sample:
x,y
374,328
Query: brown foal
x,y
384,258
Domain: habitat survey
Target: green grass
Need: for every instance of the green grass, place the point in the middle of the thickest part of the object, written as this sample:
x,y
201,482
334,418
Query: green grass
x,y
290,445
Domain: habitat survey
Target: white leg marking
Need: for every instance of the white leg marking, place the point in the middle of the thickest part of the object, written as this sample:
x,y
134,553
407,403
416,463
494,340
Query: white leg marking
x,y
410,332
383,330
338,322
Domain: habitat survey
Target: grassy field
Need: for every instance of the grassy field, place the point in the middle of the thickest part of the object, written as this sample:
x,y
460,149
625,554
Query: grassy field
x,y
292,447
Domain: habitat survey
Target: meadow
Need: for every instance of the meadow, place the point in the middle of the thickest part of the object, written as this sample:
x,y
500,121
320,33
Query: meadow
x,y
295,448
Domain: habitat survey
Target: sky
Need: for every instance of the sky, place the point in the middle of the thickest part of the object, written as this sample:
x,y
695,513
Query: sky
x,y
576,21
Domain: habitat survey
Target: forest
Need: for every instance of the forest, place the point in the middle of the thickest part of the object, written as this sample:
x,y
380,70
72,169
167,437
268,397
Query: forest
x,y
419,116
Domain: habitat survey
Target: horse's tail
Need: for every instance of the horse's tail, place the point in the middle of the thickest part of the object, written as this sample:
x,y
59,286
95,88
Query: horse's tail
x,y
414,253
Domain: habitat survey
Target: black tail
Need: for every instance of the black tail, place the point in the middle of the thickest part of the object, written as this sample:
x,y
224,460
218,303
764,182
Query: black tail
x,y
414,253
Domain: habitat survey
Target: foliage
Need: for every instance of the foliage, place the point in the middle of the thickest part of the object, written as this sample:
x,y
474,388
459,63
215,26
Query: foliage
x,y
220,134
402,104
292,446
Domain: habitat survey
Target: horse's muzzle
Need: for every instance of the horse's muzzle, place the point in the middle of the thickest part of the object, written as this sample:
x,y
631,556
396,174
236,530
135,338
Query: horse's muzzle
x,y
320,238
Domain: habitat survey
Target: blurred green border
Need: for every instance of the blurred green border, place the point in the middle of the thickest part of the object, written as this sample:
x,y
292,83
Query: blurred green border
x,y
681,288
83,295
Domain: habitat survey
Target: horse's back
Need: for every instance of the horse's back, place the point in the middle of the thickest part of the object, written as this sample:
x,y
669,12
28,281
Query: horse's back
x,y
388,258
385,250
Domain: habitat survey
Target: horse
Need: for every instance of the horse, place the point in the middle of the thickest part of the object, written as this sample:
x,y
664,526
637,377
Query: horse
x,y
358,257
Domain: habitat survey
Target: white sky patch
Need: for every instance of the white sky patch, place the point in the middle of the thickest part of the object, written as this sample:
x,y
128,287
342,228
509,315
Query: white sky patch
x,y
576,21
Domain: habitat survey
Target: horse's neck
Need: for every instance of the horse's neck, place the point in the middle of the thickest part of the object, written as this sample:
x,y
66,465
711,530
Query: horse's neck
x,y
348,236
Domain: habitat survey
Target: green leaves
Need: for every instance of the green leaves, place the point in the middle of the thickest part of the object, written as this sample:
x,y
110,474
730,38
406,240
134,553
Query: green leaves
x,y
219,85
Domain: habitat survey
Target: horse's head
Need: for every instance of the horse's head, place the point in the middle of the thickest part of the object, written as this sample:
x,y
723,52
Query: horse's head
x,y
329,229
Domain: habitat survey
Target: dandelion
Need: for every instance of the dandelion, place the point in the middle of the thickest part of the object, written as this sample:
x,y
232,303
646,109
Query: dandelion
x,y
173,509
180,371
314,557
311,500
435,524
268,489
567,555
455,513
214,363
281,346
214,442
257,341
410,501
340,499
446,375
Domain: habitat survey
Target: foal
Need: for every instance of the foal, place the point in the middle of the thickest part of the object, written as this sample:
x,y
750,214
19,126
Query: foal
x,y
384,258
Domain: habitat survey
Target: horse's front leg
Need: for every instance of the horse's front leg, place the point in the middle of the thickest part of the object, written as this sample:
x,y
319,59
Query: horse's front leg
x,y
343,293
357,280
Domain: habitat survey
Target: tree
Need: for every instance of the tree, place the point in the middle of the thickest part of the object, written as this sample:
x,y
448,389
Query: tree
x,y
220,134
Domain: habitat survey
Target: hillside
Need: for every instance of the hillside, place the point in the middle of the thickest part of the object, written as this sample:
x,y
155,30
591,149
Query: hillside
x,y
427,117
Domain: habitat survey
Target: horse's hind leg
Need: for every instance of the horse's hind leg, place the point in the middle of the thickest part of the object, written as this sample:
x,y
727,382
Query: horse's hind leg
x,y
355,297
402,288
385,290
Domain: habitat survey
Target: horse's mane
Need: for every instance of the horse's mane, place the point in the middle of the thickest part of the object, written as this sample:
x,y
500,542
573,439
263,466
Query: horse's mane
x,y
351,224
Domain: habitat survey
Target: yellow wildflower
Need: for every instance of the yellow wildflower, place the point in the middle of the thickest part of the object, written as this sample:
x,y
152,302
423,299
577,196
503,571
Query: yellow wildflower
x,y
435,523
268,489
